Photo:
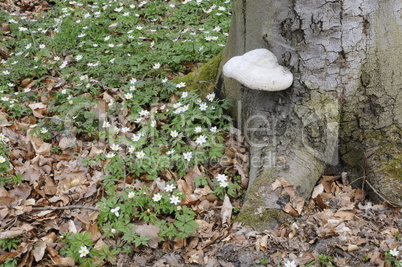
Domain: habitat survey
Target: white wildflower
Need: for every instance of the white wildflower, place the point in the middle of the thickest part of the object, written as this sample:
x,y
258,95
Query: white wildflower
x,y
290,264
211,97
188,155
157,197
394,252
221,177
115,147
83,251
181,85
128,96
202,139
115,211
170,188
203,106
110,155
175,200
223,184
174,133
140,154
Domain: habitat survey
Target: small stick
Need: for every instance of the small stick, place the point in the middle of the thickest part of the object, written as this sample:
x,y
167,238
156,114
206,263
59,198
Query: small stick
x,y
383,198
376,192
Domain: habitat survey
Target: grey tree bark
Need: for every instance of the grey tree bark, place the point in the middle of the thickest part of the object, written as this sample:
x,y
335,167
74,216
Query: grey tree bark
x,y
344,107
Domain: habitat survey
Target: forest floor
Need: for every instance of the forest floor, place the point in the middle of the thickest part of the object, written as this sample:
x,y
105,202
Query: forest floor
x,y
335,229
50,187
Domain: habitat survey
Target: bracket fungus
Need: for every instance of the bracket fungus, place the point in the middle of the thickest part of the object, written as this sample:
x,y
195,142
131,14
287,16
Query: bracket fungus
x,y
259,70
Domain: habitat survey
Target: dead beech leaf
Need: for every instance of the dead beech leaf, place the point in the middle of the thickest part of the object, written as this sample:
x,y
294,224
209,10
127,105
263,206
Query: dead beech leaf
x,y
3,213
317,190
11,234
345,215
40,147
5,198
261,244
71,227
324,215
61,261
150,231
352,247
39,250
320,202
38,109
376,259
189,198
27,83
5,28
276,184
21,191
226,212
191,175
203,191
290,190
66,143
244,178
50,186
5,256
49,238
99,244
195,256
3,120
298,204
327,182
94,230
289,209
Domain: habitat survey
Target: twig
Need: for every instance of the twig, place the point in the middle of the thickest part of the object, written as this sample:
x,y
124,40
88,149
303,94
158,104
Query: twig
x,y
364,174
383,198
375,191
66,208
355,180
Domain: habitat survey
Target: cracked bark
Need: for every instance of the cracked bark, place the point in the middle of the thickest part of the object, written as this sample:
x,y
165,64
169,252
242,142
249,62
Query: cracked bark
x,y
345,58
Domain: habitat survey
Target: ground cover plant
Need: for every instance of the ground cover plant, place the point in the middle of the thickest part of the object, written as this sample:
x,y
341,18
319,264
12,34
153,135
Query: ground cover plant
x,y
104,160
91,81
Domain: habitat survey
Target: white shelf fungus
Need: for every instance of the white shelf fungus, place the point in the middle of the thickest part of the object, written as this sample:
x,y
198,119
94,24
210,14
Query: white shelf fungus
x,y
259,70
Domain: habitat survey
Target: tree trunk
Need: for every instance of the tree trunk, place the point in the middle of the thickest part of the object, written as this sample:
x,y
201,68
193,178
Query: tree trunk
x,y
344,107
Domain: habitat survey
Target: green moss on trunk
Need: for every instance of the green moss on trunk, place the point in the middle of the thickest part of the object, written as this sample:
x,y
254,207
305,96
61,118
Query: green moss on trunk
x,y
267,219
203,79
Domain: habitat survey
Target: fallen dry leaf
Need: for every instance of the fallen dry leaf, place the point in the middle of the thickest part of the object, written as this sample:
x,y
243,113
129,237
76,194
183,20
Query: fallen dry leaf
x,y
62,261
39,250
318,189
345,215
38,109
276,184
40,146
94,230
150,231
7,255
289,209
226,211
11,234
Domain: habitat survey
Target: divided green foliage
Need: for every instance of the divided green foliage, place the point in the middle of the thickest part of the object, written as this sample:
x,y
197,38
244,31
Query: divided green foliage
x,y
102,71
